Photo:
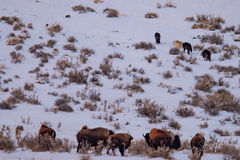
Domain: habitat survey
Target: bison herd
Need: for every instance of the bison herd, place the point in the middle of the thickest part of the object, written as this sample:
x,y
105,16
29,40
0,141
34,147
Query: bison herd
x,y
155,138
206,54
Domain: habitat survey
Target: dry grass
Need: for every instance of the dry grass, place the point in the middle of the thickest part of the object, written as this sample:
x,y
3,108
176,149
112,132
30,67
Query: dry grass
x,y
10,20
106,67
90,106
222,133
111,13
144,46
169,4
94,96
54,28
51,43
116,55
151,15
212,39
150,57
184,111
82,9
79,77
140,148
71,39
16,57
204,125
229,71
174,51
174,124
150,109
221,100
237,133
87,51
63,63
208,22
134,88
204,83
6,104
228,29
141,80
198,47
45,143
70,47
167,75
6,144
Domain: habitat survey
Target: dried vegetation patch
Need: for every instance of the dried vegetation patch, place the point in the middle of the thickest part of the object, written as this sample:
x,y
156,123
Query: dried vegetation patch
x,y
144,46
111,13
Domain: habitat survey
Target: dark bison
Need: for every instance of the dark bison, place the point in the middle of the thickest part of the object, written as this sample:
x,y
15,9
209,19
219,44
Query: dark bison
x,y
187,46
206,54
197,143
160,138
121,141
92,136
157,37
45,130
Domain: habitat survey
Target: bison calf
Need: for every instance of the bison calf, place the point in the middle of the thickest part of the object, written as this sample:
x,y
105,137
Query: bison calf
x,y
206,54
157,37
187,46
197,143
45,130
121,141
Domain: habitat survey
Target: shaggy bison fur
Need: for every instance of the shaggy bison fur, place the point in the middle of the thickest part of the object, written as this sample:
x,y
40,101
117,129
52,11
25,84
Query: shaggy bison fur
x,y
160,138
92,136
187,46
121,141
157,37
45,130
197,143
206,54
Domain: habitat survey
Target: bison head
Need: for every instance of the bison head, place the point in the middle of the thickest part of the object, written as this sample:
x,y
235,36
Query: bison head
x,y
147,138
176,142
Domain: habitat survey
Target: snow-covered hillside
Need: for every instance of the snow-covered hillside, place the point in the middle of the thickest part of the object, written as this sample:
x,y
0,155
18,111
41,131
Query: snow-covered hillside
x,y
46,73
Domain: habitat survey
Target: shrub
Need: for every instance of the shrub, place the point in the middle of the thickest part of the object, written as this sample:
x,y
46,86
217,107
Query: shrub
x,y
184,111
174,124
160,152
221,132
6,144
150,57
190,19
141,80
6,105
221,100
45,143
204,125
51,43
150,109
213,39
174,51
106,67
208,22
169,4
138,147
82,9
237,31
167,75
78,77
115,55
70,47
228,29
204,83
134,88
18,95
230,71
63,63
237,133
144,46
87,51
64,108
54,28
29,86
111,13
90,106
94,96
16,57
71,39
198,47
10,20
151,15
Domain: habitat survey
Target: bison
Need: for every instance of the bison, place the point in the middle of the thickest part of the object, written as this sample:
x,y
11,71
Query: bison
x,y
157,37
197,143
121,141
160,138
45,130
187,46
206,54
92,136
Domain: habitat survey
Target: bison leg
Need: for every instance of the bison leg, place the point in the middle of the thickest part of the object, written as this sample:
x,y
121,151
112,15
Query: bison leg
x,y
121,150
113,151
78,147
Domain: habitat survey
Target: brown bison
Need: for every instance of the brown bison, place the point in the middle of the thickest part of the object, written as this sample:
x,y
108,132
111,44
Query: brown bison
x,y
92,136
45,130
187,46
160,138
121,141
197,143
206,54
157,37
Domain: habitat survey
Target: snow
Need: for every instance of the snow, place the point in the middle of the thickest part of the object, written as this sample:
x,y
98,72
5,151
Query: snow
x,y
95,31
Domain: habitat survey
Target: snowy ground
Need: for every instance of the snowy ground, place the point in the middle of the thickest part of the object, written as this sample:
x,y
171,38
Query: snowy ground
x,y
96,31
